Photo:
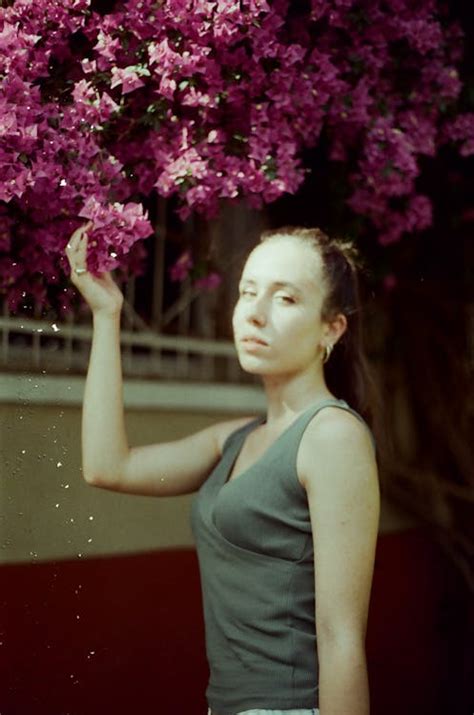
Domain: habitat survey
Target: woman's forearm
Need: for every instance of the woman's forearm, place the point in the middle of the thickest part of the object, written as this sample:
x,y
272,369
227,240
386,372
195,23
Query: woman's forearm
x,y
104,439
343,680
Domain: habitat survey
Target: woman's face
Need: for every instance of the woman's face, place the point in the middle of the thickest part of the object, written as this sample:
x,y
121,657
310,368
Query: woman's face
x,y
277,319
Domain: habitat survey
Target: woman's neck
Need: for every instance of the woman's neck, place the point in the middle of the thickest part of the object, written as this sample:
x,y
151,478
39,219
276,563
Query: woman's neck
x,y
288,395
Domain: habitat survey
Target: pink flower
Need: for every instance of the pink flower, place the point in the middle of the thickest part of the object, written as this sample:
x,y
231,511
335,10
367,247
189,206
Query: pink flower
x,y
115,229
461,129
209,282
127,78
180,270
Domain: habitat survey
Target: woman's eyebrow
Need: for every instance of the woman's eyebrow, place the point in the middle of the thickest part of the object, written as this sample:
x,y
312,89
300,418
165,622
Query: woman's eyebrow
x,y
274,284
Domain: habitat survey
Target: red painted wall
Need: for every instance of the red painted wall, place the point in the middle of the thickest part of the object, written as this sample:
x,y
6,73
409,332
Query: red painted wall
x,y
124,635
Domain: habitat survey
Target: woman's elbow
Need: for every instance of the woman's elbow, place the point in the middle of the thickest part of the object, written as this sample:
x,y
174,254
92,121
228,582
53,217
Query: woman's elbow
x,y
95,479
91,478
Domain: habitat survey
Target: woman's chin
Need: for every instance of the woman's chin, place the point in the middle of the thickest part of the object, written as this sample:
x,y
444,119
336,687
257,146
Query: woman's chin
x,y
256,366
253,365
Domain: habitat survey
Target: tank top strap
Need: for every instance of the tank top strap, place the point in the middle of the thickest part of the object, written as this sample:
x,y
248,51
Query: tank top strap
x,y
238,435
312,411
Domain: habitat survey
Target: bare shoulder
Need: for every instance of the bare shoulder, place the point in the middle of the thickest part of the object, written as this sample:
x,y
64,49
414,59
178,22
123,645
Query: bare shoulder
x,y
337,468
335,438
223,430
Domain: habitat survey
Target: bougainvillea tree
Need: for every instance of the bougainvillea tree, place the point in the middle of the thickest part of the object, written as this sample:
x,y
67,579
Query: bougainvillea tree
x,y
208,100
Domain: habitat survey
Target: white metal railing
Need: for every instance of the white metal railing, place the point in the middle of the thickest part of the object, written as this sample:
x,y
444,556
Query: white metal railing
x,y
61,346
33,342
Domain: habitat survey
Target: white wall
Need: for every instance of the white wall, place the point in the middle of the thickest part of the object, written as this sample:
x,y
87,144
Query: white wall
x,y
48,512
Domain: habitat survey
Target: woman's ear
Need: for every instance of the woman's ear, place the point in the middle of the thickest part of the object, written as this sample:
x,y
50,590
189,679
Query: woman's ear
x,y
336,328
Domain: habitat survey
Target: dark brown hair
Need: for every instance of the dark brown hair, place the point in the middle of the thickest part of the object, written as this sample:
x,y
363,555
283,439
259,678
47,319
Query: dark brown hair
x,y
347,372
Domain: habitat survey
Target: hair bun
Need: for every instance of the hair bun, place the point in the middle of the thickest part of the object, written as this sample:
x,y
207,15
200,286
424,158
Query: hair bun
x,y
349,250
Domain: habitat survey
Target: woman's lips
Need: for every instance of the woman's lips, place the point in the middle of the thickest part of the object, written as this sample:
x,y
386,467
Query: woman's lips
x,y
250,341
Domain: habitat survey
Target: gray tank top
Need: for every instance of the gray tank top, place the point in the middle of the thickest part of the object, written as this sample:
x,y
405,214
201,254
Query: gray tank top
x,y
255,549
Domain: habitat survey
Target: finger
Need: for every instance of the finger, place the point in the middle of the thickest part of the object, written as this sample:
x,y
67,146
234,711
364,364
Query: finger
x,y
77,257
79,246
72,247
78,233
73,242
81,250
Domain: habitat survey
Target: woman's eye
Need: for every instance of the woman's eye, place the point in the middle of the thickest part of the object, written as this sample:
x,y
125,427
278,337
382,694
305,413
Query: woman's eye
x,y
285,298
247,291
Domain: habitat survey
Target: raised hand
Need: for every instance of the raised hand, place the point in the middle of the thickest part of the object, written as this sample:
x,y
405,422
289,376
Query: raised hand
x,y
101,292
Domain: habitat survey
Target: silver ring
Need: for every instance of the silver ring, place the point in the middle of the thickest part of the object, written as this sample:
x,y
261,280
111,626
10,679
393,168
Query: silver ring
x,y
80,271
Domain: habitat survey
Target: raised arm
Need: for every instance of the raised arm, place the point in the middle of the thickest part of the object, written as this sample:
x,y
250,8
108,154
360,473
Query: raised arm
x,y
162,469
337,467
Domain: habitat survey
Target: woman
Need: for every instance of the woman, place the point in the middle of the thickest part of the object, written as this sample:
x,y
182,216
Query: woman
x,y
287,510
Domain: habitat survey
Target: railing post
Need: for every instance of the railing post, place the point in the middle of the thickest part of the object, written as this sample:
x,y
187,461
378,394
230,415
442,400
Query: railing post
x,y
68,343
5,334
37,338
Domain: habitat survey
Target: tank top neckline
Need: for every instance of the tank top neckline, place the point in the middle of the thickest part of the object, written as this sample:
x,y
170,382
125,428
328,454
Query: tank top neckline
x,y
262,420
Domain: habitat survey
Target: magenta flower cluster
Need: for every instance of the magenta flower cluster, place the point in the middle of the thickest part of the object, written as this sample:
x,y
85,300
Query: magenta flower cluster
x,y
209,100
55,172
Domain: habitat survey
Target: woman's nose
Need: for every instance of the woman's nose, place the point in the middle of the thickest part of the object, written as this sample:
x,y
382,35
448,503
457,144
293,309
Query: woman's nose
x,y
257,312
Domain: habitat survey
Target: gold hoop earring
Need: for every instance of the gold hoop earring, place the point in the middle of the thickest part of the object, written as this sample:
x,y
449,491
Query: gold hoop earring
x,y
327,352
